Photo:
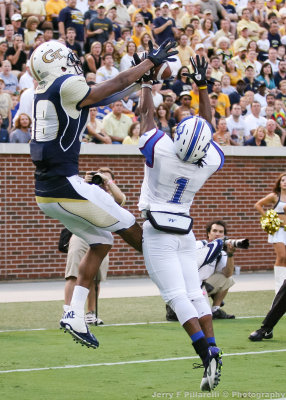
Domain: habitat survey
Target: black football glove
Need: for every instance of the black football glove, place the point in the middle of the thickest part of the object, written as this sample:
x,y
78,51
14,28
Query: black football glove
x,y
160,55
136,61
200,69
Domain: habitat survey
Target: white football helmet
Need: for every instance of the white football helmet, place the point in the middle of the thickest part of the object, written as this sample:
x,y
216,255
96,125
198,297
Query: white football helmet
x,y
192,139
53,59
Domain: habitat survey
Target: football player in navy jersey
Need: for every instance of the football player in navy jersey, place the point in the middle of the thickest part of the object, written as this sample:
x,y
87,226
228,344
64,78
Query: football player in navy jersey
x,y
60,110
174,172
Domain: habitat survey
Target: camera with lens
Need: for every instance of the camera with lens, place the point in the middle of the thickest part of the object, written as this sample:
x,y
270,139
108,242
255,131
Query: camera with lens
x,y
96,180
238,243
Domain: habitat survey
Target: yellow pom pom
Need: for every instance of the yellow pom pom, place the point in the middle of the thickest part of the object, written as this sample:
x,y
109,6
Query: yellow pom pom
x,y
271,222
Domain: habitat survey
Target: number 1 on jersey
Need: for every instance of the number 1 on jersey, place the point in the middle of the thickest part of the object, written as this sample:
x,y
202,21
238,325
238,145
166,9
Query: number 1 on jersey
x,y
181,185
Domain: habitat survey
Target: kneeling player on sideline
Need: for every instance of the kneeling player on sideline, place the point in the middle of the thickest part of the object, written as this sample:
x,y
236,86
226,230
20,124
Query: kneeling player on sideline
x,y
61,108
174,172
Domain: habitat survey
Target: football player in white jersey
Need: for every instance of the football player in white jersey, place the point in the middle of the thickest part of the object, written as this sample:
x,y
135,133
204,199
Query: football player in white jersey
x,y
60,110
174,172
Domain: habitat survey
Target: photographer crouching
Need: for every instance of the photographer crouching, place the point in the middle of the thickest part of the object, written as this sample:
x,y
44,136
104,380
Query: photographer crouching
x,y
216,276
216,266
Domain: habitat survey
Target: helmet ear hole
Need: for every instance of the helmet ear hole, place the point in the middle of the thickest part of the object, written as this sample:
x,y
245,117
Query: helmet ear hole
x,y
64,69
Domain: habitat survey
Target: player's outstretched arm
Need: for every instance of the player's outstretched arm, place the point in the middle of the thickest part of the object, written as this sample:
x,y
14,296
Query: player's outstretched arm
x,y
147,121
126,78
199,77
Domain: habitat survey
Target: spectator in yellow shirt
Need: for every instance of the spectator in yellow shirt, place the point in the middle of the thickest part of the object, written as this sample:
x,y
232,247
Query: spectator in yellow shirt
x,y
243,40
53,8
189,13
185,51
34,8
253,27
139,28
223,103
133,134
272,139
116,124
195,98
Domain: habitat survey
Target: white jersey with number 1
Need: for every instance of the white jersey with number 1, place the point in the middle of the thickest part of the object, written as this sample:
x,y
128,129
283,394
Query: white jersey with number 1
x,y
170,184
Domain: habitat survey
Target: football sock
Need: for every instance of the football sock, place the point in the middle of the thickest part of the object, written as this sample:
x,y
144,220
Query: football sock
x,y
215,308
201,347
78,300
196,336
279,276
211,341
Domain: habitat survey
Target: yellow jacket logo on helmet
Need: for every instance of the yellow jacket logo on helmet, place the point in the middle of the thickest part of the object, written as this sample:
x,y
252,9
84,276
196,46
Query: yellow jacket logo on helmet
x,y
51,55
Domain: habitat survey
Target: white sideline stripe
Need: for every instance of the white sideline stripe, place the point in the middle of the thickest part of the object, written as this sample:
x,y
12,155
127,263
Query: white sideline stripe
x,y
24,330
126,324
136,362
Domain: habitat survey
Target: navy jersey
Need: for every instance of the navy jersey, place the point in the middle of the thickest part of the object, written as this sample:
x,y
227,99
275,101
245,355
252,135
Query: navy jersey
x,y
57,125
73,17
166,33
100,23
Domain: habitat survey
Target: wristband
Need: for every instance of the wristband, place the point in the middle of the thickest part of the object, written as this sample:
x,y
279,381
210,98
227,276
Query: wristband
x,y
202,87
147,85
229,254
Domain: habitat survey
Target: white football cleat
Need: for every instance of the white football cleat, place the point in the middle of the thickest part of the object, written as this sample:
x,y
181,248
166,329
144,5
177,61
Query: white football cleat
x,y
74,324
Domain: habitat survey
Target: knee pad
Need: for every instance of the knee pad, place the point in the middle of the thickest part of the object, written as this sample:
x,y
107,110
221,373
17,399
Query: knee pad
x,y
184,309
201,305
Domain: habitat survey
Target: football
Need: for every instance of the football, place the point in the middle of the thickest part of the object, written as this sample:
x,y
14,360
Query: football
x,y
162,72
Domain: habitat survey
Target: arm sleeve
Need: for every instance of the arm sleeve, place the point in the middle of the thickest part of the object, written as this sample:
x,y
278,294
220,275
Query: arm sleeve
x,y
73,91
156,23
62,15
147,143
219,158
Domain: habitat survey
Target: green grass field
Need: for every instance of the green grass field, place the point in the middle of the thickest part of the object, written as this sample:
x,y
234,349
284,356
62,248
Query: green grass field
x,y
151,360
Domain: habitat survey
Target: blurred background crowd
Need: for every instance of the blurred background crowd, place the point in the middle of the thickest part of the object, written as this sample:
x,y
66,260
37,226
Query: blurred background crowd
x,y
243,40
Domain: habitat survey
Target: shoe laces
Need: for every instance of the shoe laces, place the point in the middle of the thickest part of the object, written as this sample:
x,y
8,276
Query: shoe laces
x,y
198,365
217,356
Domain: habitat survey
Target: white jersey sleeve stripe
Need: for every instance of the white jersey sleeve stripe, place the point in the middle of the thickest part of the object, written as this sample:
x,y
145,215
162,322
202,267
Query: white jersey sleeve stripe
x,y
149,144
220,152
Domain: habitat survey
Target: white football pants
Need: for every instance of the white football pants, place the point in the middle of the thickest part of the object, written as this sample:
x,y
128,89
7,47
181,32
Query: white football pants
x,y
171,263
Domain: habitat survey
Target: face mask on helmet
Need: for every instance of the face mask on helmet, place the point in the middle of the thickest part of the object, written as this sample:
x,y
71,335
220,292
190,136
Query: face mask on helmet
x,y
74,61
53,59
192,139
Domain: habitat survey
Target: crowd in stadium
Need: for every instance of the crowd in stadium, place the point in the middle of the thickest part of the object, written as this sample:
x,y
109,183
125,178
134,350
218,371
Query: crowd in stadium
x,y
243,42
